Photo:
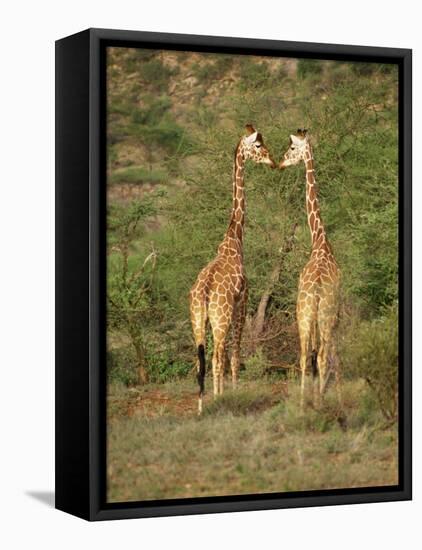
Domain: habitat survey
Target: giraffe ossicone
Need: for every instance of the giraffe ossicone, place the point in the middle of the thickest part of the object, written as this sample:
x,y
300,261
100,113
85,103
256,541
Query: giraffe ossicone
x,y
318,291
219,295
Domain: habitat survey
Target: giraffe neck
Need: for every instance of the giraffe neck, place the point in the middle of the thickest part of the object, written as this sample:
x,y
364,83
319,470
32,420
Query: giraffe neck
x,y
312,204
237,220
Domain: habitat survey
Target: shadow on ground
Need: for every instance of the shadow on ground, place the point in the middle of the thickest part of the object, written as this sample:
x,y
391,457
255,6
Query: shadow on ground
x,y
45,497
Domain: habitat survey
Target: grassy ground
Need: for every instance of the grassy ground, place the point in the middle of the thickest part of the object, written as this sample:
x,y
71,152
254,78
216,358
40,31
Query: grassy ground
x,y
249,441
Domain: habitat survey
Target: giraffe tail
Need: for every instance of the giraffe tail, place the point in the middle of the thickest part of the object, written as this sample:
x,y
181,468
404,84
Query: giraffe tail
x,y
201,371
201,375
314,363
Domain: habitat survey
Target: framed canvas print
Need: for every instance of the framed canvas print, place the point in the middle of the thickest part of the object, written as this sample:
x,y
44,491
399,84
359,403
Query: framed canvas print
x,y
233,274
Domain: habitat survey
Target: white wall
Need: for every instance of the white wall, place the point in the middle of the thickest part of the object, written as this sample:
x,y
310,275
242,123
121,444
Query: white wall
x,y
27,37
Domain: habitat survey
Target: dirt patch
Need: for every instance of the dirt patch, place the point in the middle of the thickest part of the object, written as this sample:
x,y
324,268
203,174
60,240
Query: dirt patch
x,y
158,402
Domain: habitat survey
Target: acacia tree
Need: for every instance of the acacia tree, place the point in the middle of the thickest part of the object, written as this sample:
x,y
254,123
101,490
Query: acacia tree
x,y
130,282
259,320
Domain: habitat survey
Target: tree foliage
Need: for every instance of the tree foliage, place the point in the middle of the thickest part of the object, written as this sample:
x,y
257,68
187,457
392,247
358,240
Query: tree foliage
x,y
130,281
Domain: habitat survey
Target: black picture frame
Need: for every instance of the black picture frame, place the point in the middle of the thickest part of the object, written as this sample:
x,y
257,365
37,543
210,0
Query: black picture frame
x,y
80,274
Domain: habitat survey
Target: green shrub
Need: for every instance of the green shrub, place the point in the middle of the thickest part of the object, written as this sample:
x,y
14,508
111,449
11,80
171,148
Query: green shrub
x,y
370,351
255,366
367,411
153,71
319,420
137,56
153,112
137,174
208,72
253,74
122,367
364,69
388,68
119,107
167,134
308,67
163,367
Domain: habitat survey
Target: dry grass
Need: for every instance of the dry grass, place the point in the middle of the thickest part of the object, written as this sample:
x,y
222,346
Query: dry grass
x,y
249,441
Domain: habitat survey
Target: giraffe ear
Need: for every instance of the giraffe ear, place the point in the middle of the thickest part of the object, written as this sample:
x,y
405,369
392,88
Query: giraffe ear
x,y
295,140
249,129
251,138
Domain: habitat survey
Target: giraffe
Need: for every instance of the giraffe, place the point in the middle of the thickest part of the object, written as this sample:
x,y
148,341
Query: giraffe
x,y
219,294
318,292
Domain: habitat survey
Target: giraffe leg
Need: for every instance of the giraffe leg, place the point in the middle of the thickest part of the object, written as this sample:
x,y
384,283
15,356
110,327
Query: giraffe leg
x,y
226,361
303,355
215,371
337,373
326,345
306,309
322,365
304,336
221,365
239,315
220,327
327,318
219,361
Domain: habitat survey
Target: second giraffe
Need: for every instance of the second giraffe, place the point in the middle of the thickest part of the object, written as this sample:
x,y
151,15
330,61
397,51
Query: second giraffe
x,y
219,294
318,292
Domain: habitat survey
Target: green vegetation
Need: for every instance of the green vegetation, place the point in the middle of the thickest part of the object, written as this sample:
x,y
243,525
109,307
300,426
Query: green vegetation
x,y
371,349
154,73
130,280
137,174
217,68
307,67
174,119
253,74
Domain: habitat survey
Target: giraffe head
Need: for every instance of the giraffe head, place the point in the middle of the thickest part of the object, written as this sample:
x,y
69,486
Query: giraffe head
x,y
297,149
252,147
